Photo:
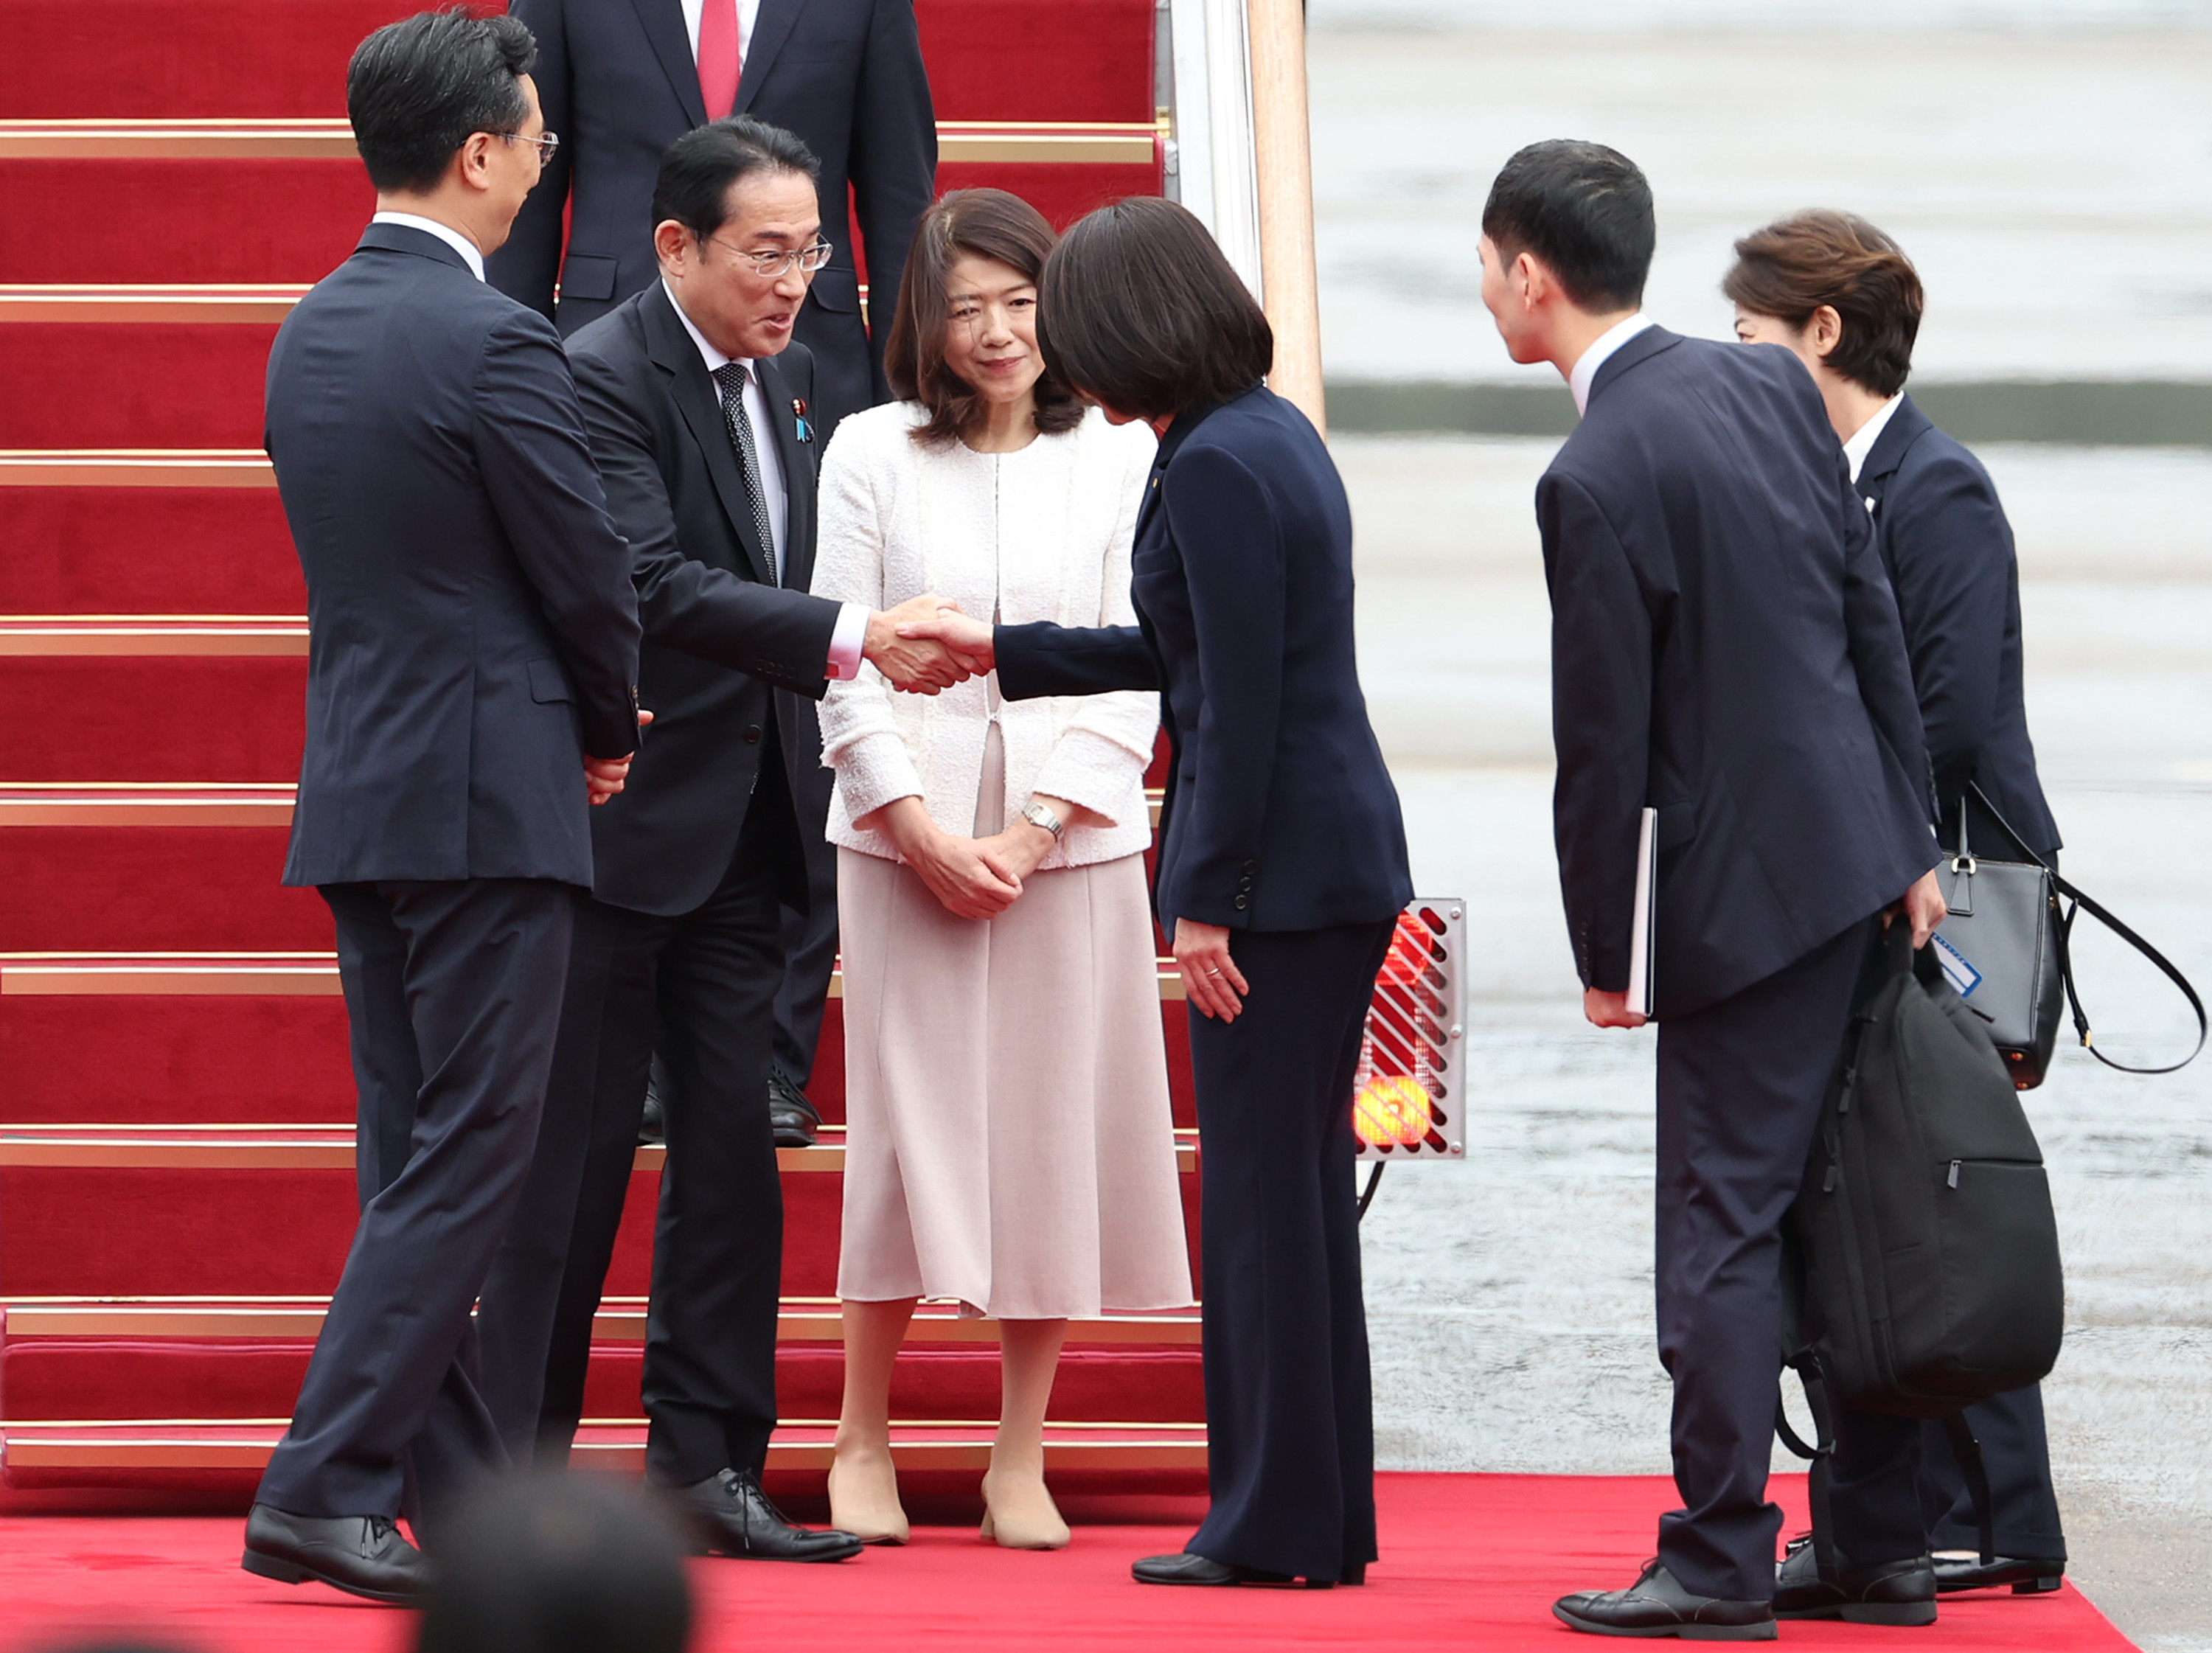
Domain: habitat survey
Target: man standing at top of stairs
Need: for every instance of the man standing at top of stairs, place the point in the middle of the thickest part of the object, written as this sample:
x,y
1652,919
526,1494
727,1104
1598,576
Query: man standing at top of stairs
x,y
473,641
846,77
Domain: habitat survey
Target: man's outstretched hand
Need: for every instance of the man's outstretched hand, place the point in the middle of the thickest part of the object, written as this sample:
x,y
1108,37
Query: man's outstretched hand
x,y
966,639
912,660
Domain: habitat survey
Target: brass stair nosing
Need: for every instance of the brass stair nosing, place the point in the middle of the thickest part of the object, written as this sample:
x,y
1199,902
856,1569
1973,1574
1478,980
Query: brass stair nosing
x,y
166,636
135,467
1049,142
212,976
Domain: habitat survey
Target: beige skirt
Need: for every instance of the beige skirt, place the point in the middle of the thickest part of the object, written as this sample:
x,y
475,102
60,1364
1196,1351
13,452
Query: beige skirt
x,y
1009,1147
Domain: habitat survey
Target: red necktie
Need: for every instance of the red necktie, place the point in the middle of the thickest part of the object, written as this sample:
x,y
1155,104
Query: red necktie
x,y
719,57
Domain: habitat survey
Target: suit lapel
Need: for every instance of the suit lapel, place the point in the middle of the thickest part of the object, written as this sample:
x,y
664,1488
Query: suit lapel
x,y
673,352
670,40
797,459
1904,428
772,26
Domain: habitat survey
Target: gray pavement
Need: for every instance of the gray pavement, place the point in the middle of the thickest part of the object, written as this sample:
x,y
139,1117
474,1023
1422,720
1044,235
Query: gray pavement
x,y
1510,1295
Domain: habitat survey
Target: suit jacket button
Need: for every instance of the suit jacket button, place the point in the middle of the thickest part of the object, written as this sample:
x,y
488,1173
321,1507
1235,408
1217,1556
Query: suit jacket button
x,y
1251,866
1242,903
752,734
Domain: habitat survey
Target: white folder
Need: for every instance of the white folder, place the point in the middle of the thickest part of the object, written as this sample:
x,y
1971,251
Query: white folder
x,y
1644,936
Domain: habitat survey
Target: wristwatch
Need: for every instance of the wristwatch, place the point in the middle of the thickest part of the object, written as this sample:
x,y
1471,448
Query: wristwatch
x,y
1038,816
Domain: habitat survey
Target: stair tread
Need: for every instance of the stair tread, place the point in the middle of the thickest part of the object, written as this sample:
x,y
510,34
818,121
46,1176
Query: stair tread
x,y
804,1444
620,1320
153,633
308,1147
1081,143
212,973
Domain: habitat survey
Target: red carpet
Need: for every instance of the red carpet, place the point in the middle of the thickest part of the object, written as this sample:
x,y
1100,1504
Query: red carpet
x,y
1470,1562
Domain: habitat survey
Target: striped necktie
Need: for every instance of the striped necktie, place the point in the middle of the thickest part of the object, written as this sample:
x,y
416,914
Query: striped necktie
x,y
731,376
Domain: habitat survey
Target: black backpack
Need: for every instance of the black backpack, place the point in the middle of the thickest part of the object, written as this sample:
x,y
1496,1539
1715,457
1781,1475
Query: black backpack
x,y
1931,1277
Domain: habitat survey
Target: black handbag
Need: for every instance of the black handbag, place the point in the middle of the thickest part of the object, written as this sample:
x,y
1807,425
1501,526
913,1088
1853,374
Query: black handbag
x,y
2004,948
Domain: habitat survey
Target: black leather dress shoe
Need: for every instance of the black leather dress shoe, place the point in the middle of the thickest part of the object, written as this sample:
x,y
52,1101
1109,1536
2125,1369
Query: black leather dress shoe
x,y
652,1123
362,1555
1886,1593
1656,1606
729,1514
2027,1575
794,1118
1184,1568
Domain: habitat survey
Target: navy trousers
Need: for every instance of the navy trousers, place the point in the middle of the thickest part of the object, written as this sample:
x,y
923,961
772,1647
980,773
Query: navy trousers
x,y
452,993
2017,1459
1741,1086
1289,1412
699,986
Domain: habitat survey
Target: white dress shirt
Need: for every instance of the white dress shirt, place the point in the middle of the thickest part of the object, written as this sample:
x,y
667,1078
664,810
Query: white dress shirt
x,y
1864,439
1599,352
748,13
852,629
445,232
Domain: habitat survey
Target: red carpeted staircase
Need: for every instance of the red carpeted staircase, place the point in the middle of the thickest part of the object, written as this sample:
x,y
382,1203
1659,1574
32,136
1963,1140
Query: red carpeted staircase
x,y
176,1183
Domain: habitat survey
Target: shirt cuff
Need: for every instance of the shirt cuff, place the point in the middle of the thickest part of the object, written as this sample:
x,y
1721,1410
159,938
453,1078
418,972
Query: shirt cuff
x,y
846,642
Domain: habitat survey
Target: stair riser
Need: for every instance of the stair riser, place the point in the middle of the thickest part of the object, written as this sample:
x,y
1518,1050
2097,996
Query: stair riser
x,y
185,1061
83,1379
988,59
175,1061
154,888
102,1232
89,1233
71,384
161,718
147,551
180,220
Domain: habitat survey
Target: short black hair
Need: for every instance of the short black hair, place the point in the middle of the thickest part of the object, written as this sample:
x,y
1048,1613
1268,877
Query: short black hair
x,y
693,187
417,88
1584,210
1139,310
547,1562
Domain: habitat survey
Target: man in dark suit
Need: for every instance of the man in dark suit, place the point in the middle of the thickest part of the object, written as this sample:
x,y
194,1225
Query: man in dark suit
x,y
1842,295
1725,649
697,418
622,80
473,641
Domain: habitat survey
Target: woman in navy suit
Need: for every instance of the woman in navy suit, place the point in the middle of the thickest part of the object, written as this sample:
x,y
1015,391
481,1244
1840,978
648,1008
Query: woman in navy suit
x,y
1842,295
1282,860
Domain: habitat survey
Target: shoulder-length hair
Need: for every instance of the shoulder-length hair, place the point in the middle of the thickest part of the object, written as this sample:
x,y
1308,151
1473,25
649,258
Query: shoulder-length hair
x,y
966,223
1140,312
1796,265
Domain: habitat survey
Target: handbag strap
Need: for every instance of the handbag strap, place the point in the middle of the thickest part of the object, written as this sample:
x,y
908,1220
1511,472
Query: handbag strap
x,y
2083,903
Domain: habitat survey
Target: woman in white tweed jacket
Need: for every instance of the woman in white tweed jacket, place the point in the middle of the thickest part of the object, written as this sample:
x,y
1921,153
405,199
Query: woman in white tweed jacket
x,y
1009,1145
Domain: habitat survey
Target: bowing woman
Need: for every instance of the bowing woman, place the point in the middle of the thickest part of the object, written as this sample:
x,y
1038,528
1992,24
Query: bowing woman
x,y
1282,860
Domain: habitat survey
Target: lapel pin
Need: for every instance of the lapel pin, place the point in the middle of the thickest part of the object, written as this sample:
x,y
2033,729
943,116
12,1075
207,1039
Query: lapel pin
x,y
798,413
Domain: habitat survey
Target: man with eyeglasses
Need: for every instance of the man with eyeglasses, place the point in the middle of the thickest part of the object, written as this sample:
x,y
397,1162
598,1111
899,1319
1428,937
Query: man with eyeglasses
x,y
473,645
699,410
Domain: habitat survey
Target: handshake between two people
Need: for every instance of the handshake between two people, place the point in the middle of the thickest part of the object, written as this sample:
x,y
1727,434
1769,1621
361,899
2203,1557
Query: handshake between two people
x,y
924,646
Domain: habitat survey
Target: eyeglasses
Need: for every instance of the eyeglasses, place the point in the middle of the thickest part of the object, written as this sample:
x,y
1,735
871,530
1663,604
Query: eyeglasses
x,y
546,142
776,264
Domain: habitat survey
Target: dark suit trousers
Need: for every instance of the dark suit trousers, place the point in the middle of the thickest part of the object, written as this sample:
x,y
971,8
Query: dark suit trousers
x,y
452,992
1741,1086
2016,1457
699,987
1288,1413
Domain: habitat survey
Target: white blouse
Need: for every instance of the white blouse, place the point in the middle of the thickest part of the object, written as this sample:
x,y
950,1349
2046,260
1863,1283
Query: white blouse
x,y
1040,534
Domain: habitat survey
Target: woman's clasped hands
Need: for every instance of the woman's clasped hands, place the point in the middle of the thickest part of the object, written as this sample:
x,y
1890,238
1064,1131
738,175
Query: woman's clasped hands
x,y
971,877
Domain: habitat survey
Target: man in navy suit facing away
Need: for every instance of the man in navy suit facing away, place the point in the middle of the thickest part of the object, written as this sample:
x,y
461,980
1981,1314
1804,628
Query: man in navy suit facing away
x,y
473,648
1726,650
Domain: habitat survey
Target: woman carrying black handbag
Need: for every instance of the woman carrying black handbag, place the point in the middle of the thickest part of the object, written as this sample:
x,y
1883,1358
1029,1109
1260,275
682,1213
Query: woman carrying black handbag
x,y
1842,296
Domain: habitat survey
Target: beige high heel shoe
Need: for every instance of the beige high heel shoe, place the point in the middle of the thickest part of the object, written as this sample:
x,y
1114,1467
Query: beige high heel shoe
x,y
1030,1528
876,1516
